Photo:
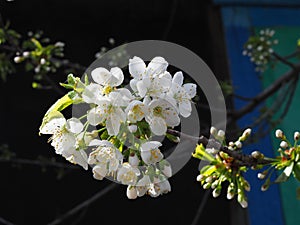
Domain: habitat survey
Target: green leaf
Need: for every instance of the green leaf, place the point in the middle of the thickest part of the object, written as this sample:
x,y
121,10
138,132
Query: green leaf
x,y
284,176
208,170
37,44
67,86
201,153
71,79
58,106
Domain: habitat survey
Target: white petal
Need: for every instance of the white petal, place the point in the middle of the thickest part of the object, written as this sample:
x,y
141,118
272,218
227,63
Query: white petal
x,y
157,65
178,78
74,125
137,67
143,86
95,116
99,171
91,93
158,126
185,108
117,77
171,117
150,145
132,84
55,123
101,75
95,142
113,124
191,89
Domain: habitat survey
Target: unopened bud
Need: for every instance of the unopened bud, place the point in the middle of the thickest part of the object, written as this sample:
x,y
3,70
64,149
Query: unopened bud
x,y
264,187
261,175
238,144
206,186
200,177
213,131
257,155
244,203
18,59
279,133
131,192
132,128
42,61
230,195
209,180
284,145
133,160
26,54
296,136
221,134
216,192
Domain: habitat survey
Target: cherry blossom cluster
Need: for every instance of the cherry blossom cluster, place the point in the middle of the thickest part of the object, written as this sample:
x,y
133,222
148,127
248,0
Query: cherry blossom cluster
x,y
260,48
114,136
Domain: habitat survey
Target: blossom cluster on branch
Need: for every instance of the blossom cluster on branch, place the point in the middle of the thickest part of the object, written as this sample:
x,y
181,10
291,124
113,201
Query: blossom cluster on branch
x,y
123,122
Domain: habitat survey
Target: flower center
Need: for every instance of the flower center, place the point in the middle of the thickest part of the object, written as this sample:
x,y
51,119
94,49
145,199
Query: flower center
x,y
106,90
157,111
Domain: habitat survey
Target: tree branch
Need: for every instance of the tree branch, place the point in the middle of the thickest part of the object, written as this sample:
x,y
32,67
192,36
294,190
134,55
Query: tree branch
x,y
265,94
84,204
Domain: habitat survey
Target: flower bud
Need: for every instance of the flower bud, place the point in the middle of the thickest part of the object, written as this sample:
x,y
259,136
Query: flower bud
x,y
216,192
279,133
131,192
26,54
206,186
18,59
238,144
244,203
230,195
209,180
133,159
200,177
42,61
257,155
284,145
261,176
264,187
221,134
296,136
213,131
245,134
132,128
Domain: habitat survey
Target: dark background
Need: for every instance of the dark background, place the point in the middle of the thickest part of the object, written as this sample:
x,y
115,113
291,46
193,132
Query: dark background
x,y
32,196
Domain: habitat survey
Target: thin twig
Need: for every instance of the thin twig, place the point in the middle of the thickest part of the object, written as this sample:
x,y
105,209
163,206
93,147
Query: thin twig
x,y
283,60
84,204
281,81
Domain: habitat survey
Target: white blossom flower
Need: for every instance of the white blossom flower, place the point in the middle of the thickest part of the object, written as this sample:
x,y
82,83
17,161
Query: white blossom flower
x,y
108,79
106,158
150,153
181,94
127,174
63,138
109,111
159,187
152,80
161,114
135,111
138,69
133,160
